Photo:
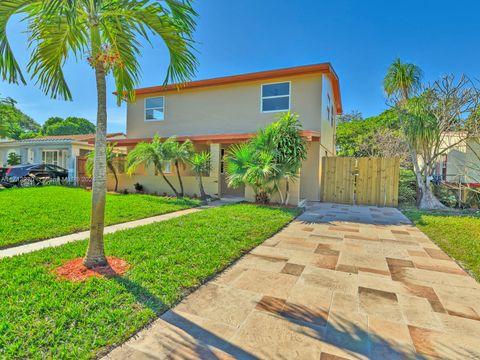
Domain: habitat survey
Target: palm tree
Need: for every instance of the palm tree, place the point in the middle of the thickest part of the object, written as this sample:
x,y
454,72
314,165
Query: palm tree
x,y
402,80
111,155
401,83
179,153
247,165
109,31
155,153
201,165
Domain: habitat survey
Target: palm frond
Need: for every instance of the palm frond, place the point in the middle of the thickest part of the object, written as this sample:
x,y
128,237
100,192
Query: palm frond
x,y
9,68
55,38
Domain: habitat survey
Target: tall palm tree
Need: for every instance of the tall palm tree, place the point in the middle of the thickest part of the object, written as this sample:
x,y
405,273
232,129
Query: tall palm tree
x,y
109,32
201,165
154,153
402,80
179,153
111,155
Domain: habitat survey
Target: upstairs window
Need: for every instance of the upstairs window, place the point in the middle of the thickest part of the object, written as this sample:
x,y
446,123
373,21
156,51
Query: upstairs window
x,y
276,97
154,108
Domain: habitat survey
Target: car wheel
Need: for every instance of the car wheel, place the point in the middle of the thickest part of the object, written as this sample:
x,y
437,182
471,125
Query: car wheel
x,y
26,182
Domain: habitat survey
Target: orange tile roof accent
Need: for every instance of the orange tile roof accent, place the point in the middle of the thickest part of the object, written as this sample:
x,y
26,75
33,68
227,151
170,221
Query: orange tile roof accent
x,y
324,68
215,138
80,137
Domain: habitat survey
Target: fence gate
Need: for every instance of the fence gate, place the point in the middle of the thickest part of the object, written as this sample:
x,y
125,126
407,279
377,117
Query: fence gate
x,y
360,181
82,178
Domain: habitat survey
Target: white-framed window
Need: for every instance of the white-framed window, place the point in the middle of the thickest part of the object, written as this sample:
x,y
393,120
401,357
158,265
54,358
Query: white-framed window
x,y
275,97
55,157
50,157
167,167
155,108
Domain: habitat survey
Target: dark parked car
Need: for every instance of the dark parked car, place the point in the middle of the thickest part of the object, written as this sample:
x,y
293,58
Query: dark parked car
x,y
32,174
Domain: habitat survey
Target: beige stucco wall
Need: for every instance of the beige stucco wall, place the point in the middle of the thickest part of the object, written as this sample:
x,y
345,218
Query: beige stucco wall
x,y
226,109
327,140
463,162
154,184
310,173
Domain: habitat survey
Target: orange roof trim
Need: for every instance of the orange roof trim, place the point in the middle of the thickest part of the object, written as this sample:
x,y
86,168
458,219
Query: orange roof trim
x,y
215,138
324,68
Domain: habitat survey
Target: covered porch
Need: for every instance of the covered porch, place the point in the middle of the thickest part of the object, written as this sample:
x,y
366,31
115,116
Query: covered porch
x,y
216,183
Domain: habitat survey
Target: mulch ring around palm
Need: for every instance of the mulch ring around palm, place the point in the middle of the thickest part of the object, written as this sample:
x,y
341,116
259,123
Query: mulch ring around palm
x,y
75,270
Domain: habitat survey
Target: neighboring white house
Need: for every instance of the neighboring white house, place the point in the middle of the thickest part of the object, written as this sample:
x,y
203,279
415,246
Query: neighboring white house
x,y
56,150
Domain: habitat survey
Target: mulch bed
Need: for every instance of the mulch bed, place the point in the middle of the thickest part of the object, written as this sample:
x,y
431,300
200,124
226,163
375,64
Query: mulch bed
x,y
75,270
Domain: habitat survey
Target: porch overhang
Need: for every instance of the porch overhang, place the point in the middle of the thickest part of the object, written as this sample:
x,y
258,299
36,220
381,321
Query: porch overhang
x,y
309,135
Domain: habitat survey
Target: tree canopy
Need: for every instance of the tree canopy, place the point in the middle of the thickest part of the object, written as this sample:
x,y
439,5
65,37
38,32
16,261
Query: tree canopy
x,y
16,124
69,126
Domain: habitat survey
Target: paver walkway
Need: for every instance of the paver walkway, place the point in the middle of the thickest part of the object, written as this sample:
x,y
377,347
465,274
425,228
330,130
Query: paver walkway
x,y
339,282
61,240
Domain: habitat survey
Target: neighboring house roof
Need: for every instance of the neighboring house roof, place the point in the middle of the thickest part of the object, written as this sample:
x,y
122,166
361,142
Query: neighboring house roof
x,y
325,68
86,138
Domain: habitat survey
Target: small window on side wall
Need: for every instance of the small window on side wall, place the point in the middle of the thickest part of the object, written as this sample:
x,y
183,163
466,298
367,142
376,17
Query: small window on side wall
x,y
155,108
275,97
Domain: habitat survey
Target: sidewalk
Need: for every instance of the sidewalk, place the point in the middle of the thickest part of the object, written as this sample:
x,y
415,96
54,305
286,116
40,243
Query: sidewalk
x,y
61,240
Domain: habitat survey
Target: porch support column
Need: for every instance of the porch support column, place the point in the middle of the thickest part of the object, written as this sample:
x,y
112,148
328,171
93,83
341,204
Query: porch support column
x,y
215,180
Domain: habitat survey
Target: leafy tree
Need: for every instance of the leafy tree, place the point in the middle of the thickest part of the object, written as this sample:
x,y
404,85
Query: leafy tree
x,y
429,117
111,156
348,117
69,126
201,165
156,153
109,32
178,153
14,123
374,136
14,159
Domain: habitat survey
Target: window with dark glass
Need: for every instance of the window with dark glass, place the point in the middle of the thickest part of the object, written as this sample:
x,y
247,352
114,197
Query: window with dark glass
x,y
154,108
276,97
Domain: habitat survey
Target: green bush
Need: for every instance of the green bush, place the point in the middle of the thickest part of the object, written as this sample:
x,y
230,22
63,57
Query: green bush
x,y
407,190
446,195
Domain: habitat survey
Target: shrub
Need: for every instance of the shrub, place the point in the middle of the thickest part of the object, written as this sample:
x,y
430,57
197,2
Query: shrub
x,y
407,190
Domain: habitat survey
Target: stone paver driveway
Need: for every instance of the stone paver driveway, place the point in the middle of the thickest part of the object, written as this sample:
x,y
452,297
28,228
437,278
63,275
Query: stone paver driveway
x,y
339,282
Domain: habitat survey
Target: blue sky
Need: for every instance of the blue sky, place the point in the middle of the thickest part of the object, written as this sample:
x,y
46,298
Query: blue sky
x,y
360,39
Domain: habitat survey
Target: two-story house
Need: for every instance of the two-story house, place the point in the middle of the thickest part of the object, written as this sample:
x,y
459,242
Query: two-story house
x,y
216,113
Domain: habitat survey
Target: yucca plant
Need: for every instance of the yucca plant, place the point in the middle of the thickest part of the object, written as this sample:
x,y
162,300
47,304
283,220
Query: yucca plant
x,y
201,166
108,34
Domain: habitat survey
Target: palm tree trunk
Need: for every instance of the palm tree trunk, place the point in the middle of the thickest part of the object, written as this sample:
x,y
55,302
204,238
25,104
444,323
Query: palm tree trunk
x,y
95,253
179,178
112,169
287,192
168,182
203,196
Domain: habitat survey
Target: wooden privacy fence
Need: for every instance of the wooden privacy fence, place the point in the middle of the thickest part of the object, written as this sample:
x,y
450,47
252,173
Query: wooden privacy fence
x,y
360,181
82,179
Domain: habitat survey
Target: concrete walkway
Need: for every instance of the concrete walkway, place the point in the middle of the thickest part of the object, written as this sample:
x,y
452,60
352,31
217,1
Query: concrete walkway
x,y
27,248
340,282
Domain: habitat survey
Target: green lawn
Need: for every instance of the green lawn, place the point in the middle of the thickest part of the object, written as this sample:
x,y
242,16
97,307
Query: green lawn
x,y
457,234
43,317
33,214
